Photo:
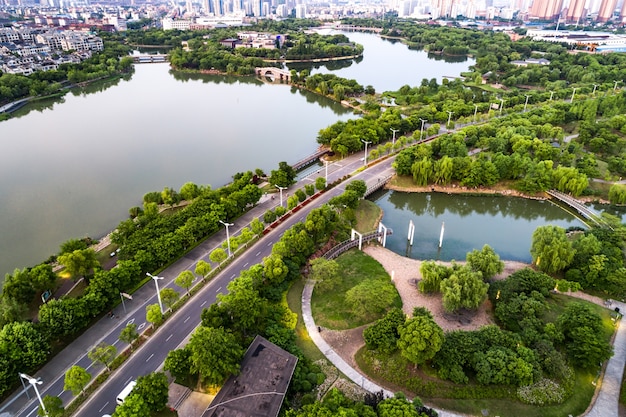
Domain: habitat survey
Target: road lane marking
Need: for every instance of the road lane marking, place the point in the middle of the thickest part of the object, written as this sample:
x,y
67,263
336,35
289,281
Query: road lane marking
x,y
187,319
34,409
233,276
128,380
141,326
103,407
203,303
258,253
169,337
131,321
246,264
150,357
269,243
219,289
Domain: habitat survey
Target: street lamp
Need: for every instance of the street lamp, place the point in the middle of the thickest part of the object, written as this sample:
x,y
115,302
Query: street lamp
x,y
155,278
501,105
475,111
281,196
422,128
594,89
551,94
573,92
450,113
365,158
232,224
34,382
526,103
326,166
615,86
394,136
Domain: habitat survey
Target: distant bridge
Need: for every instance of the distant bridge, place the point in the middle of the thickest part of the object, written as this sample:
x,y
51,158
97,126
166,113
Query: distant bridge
x,y
349,244
149,59
377,185
352,28
583,210
276,74
311,159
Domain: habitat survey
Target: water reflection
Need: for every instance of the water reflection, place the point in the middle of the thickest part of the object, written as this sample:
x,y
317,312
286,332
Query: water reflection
x,y
504,223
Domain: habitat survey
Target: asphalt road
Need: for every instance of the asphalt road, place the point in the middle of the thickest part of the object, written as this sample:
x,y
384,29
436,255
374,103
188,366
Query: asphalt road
x,y
178,328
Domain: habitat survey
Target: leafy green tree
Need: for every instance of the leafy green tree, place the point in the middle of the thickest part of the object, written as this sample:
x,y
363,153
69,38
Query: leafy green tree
x,y
23,346
320,183
42,277
153,389
129,334
309,189
203,268
63,317
257,226
292,202
76,379
218,255
383,335
133,406
178,362
463,289
420,338
432,275
169,296
103,353
371,297
284,176
185,279
485,261
189,191
18,286
358,186
79,262
325,273
215,354
154,314
11,310
551,250
54,407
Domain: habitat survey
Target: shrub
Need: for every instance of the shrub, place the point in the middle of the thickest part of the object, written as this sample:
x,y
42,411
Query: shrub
x,y
543,392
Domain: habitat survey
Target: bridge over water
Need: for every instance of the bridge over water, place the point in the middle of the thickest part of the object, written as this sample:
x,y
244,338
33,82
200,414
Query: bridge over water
x,y
149,59
274,73
579,207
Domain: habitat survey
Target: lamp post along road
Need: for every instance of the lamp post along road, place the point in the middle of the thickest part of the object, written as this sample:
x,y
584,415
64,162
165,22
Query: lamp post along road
x,y
526,102
501,105
34,382
595,86
573,93
281,198
232,224
615,85
422,128
475,111
551,95
156,279
365,157
450,113
393,141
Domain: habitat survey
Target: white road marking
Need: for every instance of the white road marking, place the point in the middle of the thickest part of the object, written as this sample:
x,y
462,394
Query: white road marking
x,y
187,319
233,276
219,289
169,337
258,253
246,264
150,357
103,407
203,303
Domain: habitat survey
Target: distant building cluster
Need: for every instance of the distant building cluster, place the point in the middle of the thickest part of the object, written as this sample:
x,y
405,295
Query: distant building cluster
x,y
24,51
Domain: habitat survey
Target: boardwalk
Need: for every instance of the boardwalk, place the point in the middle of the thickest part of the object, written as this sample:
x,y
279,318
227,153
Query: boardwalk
x,y
583,210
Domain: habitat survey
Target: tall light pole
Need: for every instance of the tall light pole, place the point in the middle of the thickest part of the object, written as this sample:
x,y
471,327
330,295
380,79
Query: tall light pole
x,y
501,105
475,111
281,195
156,279
394,136
594,89
573,92
551,94
232,224
326,166
615,85
34,382
422,128
365,157
526,103
450,113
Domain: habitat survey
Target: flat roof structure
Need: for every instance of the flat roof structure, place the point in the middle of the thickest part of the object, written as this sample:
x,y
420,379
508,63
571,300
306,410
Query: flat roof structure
x,y
260,387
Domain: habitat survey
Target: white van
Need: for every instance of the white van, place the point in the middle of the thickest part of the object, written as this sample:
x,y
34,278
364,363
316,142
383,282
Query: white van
x,y
125,392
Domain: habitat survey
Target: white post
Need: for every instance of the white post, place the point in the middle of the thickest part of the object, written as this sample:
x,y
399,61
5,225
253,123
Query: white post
x,y
34,382
281,194
475,111
354,232
383,238
326,166
573,92
411,232
615,85
365,157
501,105
422,128
441,235
594,89
450,113
123,304
526,103
232,224
551,94
157,289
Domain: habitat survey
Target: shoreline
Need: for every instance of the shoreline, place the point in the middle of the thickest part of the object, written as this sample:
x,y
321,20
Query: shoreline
x,y
456,189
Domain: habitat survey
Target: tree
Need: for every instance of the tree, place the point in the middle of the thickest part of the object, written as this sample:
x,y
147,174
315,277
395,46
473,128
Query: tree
x,y
551,249
79,262
169,296
76,379
218,255
18,286
42,277
103,353
320,183
133,406
284,176
420,338
153,389
54,407
485,261
215,354
371,297
23,346
383,335
325,273
129,334
463,289
203,268
358,186
178,362
257,226
185,279
154,314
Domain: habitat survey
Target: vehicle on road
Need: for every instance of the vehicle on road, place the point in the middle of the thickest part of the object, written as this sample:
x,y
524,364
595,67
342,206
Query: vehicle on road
x,y
125,392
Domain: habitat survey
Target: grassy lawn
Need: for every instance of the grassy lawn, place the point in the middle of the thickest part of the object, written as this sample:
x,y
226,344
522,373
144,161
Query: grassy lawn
x,y
304,342
367,216
330,309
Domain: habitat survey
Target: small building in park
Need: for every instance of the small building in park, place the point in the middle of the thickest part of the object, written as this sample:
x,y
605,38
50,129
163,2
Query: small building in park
x,y
260,387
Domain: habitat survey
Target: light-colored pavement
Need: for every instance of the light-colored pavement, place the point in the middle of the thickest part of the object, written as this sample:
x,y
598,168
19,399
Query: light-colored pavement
x,y
605,405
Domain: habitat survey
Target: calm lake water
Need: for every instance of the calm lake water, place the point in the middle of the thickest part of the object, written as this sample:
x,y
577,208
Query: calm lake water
x,y
504,223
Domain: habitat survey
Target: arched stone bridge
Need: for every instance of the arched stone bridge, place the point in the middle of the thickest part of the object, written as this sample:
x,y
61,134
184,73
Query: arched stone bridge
x,y
276,73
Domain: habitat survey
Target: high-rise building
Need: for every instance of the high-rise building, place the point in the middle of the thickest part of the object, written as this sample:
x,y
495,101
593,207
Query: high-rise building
x,y
575,10
607,7
622,14
546,9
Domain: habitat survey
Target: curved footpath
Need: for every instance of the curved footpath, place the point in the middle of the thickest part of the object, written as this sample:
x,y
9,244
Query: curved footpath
x,y
606,399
